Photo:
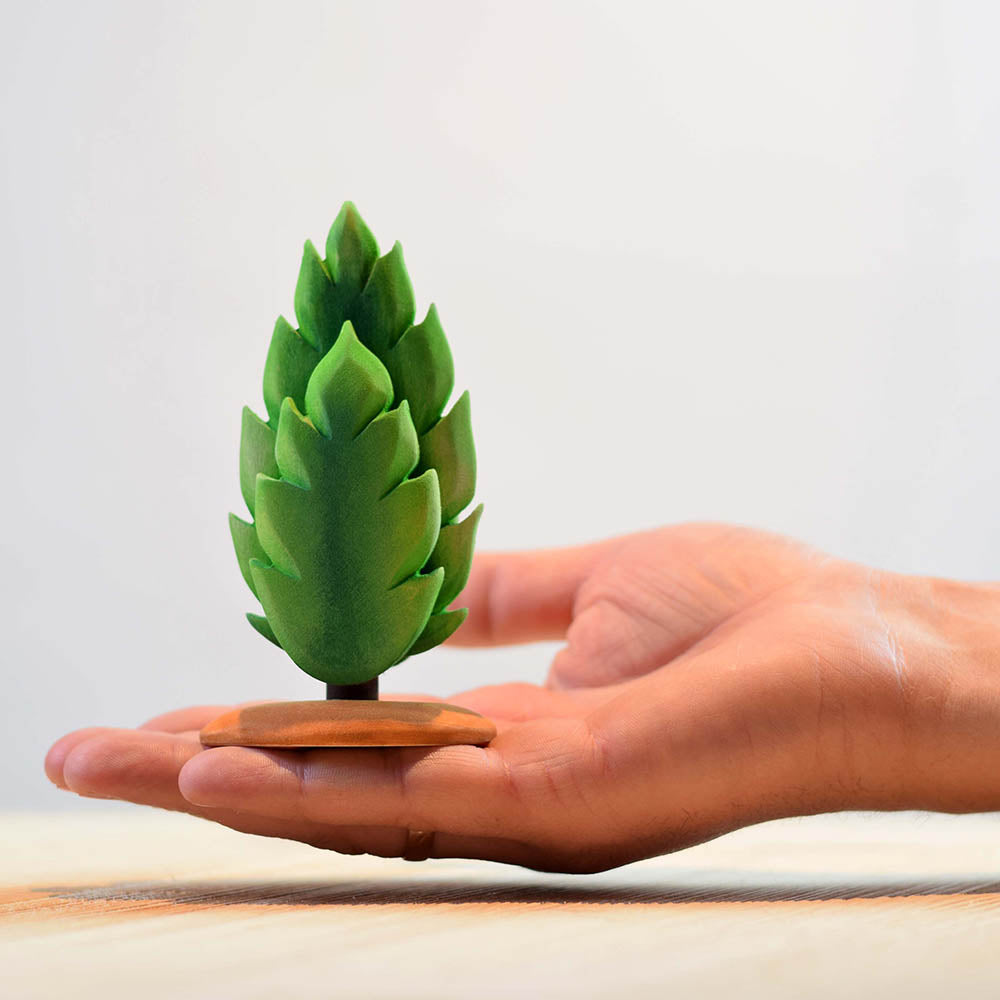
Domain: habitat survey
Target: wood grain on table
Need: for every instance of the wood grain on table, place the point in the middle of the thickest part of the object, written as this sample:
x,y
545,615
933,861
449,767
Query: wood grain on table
x,y
143,904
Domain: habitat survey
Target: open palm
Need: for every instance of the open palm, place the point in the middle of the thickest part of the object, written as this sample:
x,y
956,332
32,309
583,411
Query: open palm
x,y
712,677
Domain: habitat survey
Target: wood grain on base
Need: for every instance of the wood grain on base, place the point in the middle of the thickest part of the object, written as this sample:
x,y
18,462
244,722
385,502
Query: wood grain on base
x,y
349,724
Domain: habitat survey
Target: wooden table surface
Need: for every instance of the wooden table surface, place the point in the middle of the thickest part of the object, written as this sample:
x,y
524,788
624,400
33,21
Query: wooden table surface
x,y
148,905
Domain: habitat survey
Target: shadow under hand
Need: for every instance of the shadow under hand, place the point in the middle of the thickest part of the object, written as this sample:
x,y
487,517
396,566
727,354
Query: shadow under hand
x,y
421,892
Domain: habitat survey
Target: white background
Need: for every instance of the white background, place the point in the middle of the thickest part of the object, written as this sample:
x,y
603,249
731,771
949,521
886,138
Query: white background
x,y
695,260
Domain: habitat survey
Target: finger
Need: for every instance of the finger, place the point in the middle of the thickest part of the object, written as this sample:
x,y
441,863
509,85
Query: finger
x,y
132,765
55,759
194,717
511,703
506,851
506,704
519,787
143,768
182,719
517,597
392,842
136,765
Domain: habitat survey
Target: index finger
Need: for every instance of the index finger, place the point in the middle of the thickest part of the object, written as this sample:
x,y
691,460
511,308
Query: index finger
x,y
516,597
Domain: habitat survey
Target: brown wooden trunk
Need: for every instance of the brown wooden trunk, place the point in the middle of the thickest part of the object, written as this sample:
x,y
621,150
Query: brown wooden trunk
x,y
368,691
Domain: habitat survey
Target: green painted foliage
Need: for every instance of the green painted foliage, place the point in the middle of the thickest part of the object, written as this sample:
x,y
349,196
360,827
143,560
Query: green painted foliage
x,y
355,551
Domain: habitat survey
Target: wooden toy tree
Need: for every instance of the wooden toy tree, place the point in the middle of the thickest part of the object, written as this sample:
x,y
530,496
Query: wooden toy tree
x,y
355,482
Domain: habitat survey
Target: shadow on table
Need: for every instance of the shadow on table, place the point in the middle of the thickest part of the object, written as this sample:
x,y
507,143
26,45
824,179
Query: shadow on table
x,y
420,892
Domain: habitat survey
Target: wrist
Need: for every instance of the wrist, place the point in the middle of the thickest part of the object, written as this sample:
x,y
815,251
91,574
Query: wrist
x,y
942,654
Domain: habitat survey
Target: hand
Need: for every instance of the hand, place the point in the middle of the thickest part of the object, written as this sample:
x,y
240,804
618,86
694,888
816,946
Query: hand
x,y
712,677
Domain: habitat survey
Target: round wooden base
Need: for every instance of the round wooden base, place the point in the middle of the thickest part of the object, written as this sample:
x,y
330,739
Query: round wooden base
x,y
335,723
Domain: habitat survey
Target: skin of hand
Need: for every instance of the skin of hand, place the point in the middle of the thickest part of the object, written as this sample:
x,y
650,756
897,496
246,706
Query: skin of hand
x,y
711,677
